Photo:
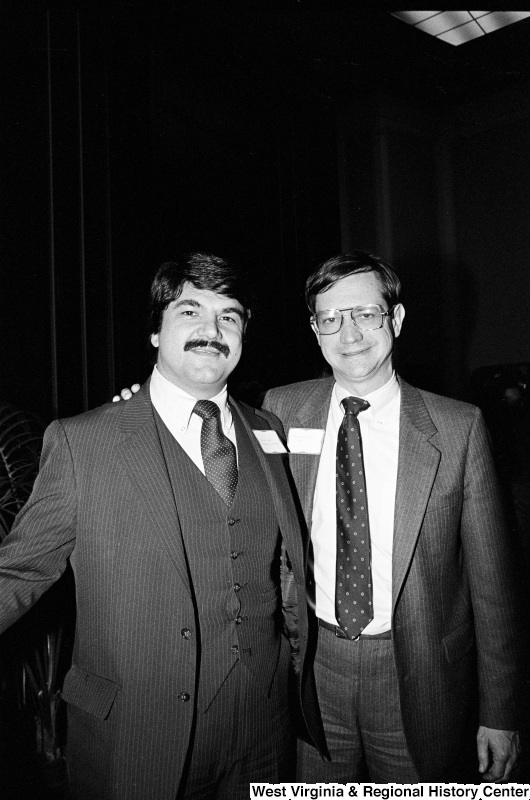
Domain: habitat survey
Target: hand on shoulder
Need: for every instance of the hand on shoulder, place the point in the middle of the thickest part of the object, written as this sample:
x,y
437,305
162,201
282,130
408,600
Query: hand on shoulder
x,y
126,394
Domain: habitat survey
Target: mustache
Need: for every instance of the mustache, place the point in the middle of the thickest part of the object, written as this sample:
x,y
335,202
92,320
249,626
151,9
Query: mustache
x,y
219,346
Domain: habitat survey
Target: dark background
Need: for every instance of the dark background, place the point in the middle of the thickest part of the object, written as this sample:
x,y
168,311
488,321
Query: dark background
x,y
278,131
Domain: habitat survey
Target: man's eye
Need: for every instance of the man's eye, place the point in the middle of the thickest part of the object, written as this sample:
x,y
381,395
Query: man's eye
x,y
329,319
229,320
188,312
365,315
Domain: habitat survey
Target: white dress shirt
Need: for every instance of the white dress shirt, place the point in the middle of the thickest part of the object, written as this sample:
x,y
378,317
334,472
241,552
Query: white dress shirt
x,y
380,437
175,407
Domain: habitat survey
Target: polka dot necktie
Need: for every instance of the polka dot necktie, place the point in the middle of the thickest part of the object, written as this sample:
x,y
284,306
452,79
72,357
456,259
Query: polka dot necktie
x,y
218,452
353,588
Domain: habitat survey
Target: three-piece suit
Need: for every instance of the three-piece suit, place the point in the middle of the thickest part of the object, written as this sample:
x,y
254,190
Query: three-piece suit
x,y
453,608
174,590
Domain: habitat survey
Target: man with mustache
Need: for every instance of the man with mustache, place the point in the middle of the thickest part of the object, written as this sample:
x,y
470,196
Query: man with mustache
x,y
411,586
176,513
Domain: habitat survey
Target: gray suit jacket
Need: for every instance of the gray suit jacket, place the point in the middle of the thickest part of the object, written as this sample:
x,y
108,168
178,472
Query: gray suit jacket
x,y
453,613
103,499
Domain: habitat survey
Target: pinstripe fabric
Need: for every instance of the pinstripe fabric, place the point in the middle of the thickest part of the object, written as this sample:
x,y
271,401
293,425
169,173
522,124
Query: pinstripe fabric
x,y
234,559
453,591
359,701
244,736
241,729
104,499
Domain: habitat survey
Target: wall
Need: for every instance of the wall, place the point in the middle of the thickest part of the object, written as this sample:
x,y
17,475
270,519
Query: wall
x,y
74,211
128,140
443,192
131,136
492,210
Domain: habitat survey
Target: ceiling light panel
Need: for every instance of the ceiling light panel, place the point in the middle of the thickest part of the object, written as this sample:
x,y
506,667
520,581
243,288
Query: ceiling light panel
x,y
499,19
444,22
462,34
413,17
458,27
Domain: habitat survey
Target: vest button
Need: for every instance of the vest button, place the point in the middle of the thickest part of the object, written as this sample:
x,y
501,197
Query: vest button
x,y
231,521
185,633
239,620
237,587
235,649
234,554
183,697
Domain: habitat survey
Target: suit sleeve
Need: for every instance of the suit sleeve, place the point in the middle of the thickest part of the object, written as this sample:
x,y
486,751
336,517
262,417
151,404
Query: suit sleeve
x,y
490,566
35,553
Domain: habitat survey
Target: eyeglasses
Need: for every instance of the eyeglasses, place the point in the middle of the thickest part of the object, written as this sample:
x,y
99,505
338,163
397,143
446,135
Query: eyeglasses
x,y
366,318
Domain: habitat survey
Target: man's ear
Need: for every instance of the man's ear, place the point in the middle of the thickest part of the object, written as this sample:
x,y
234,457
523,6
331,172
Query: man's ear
x,y
398,315
154,339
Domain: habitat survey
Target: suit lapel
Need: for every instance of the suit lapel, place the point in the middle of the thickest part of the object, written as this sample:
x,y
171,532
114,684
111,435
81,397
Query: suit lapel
x,y
275,473
313,413
417,467
142,457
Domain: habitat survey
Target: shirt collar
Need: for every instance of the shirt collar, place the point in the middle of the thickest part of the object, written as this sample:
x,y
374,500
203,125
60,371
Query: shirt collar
x,y
380,400
179,404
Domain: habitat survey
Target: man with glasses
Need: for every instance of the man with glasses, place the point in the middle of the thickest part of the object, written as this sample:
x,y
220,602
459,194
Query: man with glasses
x,y
410,579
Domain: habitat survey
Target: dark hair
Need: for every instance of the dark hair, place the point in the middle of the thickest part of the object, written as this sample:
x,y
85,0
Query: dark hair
x,y
204,271
346,264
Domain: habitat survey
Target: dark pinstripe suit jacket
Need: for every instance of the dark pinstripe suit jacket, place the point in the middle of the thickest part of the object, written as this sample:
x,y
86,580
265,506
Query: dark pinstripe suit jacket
x,y
104,500
453,594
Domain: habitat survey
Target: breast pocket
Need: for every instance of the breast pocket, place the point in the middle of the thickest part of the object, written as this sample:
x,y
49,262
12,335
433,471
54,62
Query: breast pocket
x,y
444,502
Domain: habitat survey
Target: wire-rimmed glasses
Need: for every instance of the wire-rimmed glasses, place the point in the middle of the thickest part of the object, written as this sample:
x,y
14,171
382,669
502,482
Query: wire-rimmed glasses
x,y
366,318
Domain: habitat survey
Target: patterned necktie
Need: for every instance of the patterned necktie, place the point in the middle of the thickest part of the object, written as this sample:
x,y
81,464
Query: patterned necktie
x,y
218,452
353,589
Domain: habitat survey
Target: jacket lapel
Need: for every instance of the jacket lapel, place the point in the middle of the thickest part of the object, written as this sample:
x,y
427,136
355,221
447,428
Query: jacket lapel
x,y
417,467
143,460
313,413
276,475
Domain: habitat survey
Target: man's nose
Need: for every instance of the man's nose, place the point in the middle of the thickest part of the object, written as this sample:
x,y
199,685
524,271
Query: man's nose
x,y
349,332
209,327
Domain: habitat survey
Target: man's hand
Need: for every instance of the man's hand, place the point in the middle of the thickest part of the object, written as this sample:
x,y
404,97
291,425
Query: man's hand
x,y
126,394
497,753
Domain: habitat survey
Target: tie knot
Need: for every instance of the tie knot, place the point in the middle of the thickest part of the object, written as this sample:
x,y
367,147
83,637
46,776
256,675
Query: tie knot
x,y
206,409
354,405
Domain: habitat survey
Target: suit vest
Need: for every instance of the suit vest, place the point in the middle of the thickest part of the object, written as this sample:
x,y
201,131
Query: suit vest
x,y
233,559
